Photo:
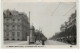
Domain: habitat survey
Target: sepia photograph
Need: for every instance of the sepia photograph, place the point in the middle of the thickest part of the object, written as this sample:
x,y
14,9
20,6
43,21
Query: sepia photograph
x,y
39,24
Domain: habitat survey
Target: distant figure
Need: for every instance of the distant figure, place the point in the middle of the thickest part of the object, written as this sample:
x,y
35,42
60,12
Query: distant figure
x,y
43,41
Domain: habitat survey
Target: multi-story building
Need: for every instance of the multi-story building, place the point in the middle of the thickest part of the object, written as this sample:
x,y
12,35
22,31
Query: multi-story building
x,y
16,26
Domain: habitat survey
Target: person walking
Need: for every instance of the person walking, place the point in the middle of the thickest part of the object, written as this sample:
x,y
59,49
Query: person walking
x,y
43,41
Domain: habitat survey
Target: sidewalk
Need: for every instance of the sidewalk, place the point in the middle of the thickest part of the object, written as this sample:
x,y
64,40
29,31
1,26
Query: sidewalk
x,y
16,42
21,43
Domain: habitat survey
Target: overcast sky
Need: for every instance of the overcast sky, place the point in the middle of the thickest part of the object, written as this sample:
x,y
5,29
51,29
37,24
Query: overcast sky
x,y
47,16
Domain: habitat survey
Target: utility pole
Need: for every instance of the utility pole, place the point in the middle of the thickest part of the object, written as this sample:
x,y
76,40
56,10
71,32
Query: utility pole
x,y
29,28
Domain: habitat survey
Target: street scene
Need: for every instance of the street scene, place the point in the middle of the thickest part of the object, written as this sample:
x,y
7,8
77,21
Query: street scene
x,y
40,23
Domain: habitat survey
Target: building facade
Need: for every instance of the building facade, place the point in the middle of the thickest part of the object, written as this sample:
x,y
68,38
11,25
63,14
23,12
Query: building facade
x,y
16,26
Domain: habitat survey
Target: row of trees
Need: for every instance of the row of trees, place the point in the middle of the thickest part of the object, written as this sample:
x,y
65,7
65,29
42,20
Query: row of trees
x,y
39,36
68,31
36,35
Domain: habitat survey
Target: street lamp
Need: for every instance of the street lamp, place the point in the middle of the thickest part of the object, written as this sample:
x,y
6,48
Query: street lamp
x,y
29,28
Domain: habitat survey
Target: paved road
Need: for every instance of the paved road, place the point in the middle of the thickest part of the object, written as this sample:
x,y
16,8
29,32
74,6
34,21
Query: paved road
x,y
48,42
52,42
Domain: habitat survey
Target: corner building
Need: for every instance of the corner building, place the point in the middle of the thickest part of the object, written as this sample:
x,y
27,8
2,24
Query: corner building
x,y
16,26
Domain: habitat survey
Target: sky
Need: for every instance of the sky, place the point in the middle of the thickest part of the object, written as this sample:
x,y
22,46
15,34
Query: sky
x,y
47,16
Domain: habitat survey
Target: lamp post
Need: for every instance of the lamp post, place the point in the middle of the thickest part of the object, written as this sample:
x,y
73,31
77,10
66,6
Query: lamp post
x,y
29,28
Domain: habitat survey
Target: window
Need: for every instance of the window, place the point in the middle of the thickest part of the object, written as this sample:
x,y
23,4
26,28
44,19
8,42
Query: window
x,y
13,19
18,19
7,19
7,25
7,39
18,39
13,39
13,35
18,25
7,36
18,33
13,26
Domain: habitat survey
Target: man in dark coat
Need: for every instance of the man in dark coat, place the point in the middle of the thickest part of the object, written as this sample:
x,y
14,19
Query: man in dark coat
x,y
43,41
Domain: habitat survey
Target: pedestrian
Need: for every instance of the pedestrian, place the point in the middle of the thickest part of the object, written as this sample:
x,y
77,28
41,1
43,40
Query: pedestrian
x,y
43,41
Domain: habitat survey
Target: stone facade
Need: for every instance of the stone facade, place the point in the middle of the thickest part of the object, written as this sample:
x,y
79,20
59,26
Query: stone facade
x,y
16,26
